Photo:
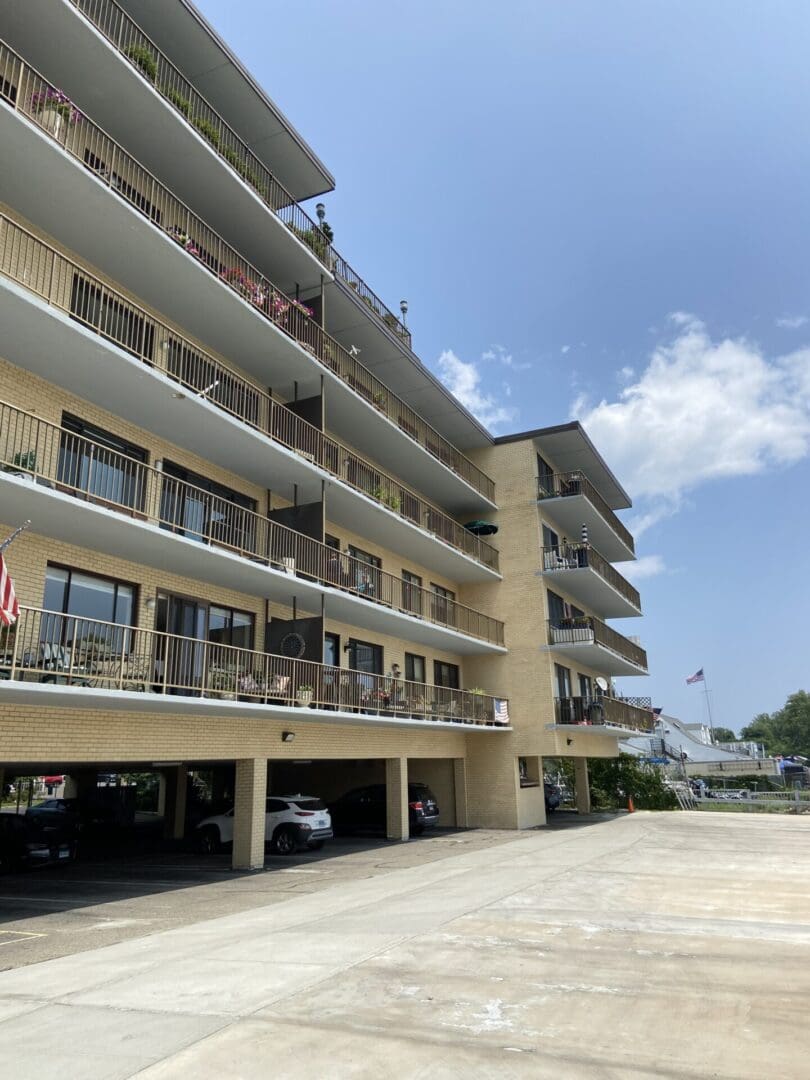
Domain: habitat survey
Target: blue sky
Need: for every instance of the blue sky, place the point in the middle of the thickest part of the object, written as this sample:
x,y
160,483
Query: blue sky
x,y
598,210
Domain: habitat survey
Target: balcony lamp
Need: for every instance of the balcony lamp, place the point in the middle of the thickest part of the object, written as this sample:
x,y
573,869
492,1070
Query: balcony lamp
x,y
320,210
287,736
403,307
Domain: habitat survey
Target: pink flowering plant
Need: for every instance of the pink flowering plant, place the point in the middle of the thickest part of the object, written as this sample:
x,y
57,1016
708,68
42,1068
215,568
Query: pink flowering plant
x,y
250,290
183,239
57,101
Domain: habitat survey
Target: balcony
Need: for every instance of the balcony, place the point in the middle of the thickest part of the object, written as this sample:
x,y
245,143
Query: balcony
x,y
591,579
48,658
572,501
586,640
606,715
359,401
119,504
53,38
156,351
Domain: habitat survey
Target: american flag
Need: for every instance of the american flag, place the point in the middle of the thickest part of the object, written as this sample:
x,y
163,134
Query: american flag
x,y
697,677
501,711
9,605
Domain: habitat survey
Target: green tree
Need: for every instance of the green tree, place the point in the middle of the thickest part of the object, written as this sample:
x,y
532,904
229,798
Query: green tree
x,y
786,731
724,734
614,780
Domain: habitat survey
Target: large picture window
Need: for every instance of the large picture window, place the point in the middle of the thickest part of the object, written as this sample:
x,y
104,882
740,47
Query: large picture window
x,y
82,605
100,464
201,509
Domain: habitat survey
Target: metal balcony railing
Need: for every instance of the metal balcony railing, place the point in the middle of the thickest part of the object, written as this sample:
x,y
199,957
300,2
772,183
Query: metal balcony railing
x,y
576,556
592,631
556,485
73,464
607,711
157,69
28,93
62,283
51,647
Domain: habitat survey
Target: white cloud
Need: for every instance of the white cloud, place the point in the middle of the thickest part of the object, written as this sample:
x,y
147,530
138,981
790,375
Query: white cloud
x,y
646,567
502,356
464,381
626,373
701,410
565,349
792,322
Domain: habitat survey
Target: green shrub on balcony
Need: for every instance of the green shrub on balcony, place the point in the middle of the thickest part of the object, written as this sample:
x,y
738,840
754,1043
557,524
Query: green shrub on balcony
x,y
208,131
182,104
144,59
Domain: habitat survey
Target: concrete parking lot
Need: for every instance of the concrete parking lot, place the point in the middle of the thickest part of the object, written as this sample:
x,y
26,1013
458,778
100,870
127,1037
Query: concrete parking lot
x,y
643,946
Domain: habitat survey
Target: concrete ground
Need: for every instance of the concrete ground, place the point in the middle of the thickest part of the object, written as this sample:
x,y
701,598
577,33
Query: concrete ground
x,y
651,945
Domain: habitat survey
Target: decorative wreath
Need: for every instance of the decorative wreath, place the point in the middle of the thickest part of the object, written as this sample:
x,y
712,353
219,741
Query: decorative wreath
x,y
292,646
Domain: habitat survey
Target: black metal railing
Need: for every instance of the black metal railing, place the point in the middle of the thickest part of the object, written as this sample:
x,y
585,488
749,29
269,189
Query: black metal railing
x,y
26,91
556,485
603,712
576,556
587,629
51,647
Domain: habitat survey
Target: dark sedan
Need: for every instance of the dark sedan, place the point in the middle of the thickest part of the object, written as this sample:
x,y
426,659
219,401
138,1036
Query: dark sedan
x,y
23,844
365,809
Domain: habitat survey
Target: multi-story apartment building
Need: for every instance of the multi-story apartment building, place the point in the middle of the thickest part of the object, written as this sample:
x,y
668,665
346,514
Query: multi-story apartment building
x,y
248,498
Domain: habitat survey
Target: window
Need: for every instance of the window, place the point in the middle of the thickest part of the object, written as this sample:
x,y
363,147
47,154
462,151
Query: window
x,y
229,627
550,539
331,650
364,656
446,675
545,477
586,687
442,605
108,470
562,677
560,611
201,509
365,571
93,602
110,317
411,592
414,668
332,542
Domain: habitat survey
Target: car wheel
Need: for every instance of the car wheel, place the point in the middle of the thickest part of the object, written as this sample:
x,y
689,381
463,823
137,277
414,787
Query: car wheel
x,y
316,845
208,842
285,841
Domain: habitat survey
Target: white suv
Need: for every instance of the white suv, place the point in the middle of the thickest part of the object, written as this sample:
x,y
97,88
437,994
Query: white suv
x,y
290,822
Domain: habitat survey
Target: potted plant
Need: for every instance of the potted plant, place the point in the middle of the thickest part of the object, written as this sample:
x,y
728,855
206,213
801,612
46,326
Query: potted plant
x,y
380,401
304,694
144,59
54,109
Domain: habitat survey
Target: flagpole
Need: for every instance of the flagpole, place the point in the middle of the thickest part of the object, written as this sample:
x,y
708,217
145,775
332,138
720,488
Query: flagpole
x,y
708,704
14,536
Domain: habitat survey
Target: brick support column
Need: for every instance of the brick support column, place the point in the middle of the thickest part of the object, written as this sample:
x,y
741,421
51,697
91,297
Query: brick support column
x,y
174,803
396,787
460,785
249,811
582,785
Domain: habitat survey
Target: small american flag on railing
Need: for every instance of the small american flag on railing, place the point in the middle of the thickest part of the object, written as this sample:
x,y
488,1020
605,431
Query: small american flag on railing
x,y
501,711
9,604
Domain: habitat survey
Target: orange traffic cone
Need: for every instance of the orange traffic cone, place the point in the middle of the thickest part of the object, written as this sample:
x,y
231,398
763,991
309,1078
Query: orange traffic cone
x,y
630,808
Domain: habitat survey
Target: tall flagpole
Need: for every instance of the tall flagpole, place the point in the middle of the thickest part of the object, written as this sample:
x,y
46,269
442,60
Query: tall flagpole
x,y
708,704
14,535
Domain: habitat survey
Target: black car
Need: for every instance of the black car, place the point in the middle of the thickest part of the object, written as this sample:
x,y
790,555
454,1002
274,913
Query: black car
x,y
22,844
57,815
365,808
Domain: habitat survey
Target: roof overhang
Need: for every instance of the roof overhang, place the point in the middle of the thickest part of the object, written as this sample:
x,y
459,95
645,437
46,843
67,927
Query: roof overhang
x,y
570,450
190,42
